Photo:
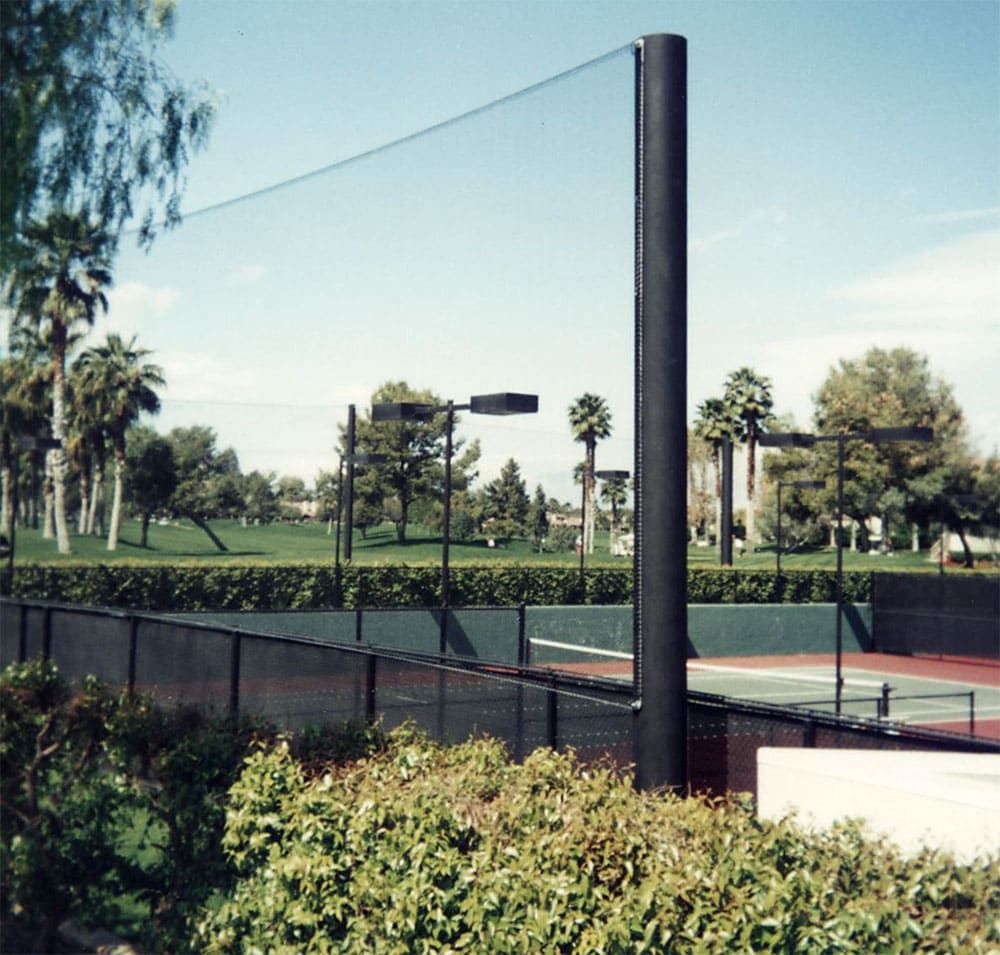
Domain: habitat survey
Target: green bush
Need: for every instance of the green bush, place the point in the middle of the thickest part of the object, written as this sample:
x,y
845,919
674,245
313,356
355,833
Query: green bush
x,y
192,587
423,848
114,809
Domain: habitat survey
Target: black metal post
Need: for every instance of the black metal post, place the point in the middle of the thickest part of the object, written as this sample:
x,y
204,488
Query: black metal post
x,y
234,673
22,635
446,528
338,594
583,533
370,685
777,539
133,649
349,495
47,634
841,443
726,521
660,567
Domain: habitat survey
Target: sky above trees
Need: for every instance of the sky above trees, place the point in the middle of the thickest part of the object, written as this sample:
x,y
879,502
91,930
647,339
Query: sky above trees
x,y
843,195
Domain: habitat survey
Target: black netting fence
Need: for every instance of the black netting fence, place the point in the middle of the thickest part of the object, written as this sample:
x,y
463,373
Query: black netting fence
x,y
295,681
945,614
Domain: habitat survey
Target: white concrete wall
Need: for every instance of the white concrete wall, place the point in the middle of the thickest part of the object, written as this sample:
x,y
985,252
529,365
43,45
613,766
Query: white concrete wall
x,y
949,801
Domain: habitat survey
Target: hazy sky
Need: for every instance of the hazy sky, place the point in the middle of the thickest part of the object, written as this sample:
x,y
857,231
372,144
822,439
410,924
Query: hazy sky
x,y
844,192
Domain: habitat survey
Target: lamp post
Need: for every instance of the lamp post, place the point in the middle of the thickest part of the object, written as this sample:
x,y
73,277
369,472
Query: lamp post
x,y
502,403
796,439
796,484
349,459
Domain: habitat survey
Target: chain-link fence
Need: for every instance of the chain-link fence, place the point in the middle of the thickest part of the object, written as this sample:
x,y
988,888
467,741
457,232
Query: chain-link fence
x,y
296,681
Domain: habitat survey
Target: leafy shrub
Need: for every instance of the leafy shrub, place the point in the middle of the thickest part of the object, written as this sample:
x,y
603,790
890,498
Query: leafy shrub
x,y
114,809
424,848
185,587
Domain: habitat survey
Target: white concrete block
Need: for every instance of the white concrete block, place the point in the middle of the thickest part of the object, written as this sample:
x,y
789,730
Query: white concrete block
x,y
948,801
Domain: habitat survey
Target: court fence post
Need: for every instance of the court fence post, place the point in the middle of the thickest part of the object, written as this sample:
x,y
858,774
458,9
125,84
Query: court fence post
x,y
234,673
370,677
133,636
22,635
47,634
883,709
522,649
552,713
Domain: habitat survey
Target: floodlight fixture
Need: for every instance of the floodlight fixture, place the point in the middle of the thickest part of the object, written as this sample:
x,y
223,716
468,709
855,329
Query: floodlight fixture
x,y
504,403
806,485
910,433
613,475
400,411
786,439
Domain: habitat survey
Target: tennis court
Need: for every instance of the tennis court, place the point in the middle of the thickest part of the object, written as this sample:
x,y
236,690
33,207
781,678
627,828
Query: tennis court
x,y
959,695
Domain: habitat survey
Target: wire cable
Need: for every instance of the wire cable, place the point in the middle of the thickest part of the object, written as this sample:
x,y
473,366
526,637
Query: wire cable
x,y
402,140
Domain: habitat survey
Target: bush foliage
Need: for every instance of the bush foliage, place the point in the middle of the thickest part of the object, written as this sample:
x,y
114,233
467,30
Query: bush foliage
x,y
113,809
424,848
190,587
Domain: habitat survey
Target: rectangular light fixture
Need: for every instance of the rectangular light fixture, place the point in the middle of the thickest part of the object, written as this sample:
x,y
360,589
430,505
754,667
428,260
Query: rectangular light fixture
x,y
786,439
611,475
399,411
504,403
912,433
809,484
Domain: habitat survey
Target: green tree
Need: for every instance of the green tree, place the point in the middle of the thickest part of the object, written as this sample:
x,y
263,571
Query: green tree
x,y
411,448
91,116
261,501
507,502
539,518
590,421
57,282
208,481
150,476
886,388
748,401
117,380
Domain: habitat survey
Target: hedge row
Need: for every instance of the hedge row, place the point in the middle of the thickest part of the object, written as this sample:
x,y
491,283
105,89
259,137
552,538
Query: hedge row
x,y
303,586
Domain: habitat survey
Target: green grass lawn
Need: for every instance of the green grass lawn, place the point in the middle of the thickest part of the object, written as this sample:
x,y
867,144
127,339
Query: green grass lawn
x,y
183,542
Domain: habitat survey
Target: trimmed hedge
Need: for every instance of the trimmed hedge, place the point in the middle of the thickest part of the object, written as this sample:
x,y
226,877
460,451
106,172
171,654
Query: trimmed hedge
x,y
423,848
187,587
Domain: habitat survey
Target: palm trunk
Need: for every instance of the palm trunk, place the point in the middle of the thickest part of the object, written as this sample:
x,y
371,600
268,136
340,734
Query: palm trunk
x,y
59,466
588,479
116,499
48,524
144,534
95,514
7,506
81,523
751,489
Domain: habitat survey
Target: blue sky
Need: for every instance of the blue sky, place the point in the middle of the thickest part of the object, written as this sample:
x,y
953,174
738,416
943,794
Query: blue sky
x,y
844,192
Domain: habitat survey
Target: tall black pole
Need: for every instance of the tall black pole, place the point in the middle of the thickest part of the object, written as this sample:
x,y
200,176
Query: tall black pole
x,y
841,442
446,533
777,540
349,493
583,532
661,413
726,530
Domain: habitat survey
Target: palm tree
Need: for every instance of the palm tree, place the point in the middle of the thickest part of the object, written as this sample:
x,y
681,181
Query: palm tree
x,y
748,399
614,493
120,386
714,424
58,280
590,421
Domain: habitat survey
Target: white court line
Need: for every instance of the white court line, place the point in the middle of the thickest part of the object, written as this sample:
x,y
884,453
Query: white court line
x,y
579,648
712,668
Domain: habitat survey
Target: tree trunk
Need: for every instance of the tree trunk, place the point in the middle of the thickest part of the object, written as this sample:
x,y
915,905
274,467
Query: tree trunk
x,y
914,537
588,483
203,524
59,465
48,526
7,507
95,515
966,550
81,523
751,490
144,534
116,499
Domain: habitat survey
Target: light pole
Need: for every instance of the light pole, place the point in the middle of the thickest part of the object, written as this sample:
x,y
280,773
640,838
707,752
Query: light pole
x,y
796,439
796,484
503,403
350,459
